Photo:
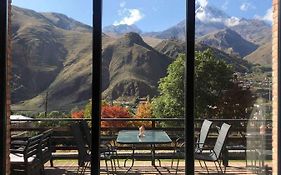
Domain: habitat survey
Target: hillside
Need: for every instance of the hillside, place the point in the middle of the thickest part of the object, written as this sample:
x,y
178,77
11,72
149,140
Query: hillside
x,y
49,56
229,42
262,56
132,68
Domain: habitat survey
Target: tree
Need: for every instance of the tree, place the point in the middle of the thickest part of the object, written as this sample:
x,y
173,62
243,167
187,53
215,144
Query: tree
x,y
111,111
170,102
88,109
144,110
235,103
212,76
77,114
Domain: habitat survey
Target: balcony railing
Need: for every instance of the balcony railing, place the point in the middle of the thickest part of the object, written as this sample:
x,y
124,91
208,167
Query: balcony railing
x,y
63,142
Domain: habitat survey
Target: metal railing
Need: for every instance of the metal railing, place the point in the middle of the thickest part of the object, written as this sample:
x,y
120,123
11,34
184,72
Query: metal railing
x,y
63,139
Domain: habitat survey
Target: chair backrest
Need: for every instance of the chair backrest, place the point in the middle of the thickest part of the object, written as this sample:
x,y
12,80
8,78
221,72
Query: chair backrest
x,y
205,128
46,146
32,148
80,143
86,132
221,139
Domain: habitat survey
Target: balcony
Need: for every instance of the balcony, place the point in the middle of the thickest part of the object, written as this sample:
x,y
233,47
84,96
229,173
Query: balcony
x,y
65,152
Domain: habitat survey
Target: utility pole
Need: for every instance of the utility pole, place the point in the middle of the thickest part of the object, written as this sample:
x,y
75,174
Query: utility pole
x,y
46,104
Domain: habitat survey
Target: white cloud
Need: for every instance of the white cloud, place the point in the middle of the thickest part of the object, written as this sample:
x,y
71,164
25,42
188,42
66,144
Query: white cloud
x,y
246,6
267,17
233,21
130,16
122,4
203,3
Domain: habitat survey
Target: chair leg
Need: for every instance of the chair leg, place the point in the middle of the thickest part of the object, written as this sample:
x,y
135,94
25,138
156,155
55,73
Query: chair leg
x,y
206,167
177,166
220,167
106,167
200,163
51,162
114,165
159,162
174,154
116,155
216,167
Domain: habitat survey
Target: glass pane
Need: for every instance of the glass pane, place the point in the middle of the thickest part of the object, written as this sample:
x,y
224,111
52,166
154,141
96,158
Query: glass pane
x,y
51,83
233,85
143,65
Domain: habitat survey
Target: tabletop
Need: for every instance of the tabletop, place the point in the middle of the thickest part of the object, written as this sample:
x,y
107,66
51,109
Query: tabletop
x,y
150,137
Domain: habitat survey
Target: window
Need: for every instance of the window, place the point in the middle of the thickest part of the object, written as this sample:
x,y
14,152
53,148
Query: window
x,y
97,88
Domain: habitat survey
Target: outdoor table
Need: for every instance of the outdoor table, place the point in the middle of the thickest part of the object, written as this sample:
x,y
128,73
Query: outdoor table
x,y
151,137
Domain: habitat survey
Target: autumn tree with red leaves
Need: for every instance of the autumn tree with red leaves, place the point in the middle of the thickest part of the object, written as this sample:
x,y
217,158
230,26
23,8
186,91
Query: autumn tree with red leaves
x,y
111,111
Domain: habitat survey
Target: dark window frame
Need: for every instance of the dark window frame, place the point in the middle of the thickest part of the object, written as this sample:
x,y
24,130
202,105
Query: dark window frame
x,y
3,78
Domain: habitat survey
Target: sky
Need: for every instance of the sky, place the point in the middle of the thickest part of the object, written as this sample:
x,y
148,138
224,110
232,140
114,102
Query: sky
x,y
148,15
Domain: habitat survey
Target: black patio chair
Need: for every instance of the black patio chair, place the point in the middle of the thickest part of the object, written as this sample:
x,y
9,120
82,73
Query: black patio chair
x,y
214,155
109,147
46,147
86,132
26,157
84,153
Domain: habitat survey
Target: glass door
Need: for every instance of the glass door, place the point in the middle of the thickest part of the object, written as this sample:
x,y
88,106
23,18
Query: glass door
x,y
233,86
143,66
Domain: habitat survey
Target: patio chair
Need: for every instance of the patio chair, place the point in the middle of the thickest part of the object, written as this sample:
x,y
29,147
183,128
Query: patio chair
x,y
46,149
199,144
86,132
84,153
88,137
214,155
26,158
204,131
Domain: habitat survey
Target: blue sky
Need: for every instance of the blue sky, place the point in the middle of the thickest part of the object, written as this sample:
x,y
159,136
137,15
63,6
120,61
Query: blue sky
x,y
149,15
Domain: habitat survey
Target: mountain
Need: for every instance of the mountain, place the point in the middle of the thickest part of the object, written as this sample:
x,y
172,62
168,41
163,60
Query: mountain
x,y
210,19
175,32
262,56
132,68
117,30
64,22
172,48
56,57
254,30
49,56
229,42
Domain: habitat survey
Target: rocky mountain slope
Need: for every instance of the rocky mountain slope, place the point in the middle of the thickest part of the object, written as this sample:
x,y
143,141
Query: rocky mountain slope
x,y
229,42
132,68
49,56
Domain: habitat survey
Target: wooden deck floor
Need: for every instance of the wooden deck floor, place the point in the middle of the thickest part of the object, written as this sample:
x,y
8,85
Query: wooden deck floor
x,y
70,168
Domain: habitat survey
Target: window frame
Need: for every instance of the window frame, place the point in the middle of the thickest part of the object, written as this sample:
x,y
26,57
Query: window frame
x,y
96,90
3,78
